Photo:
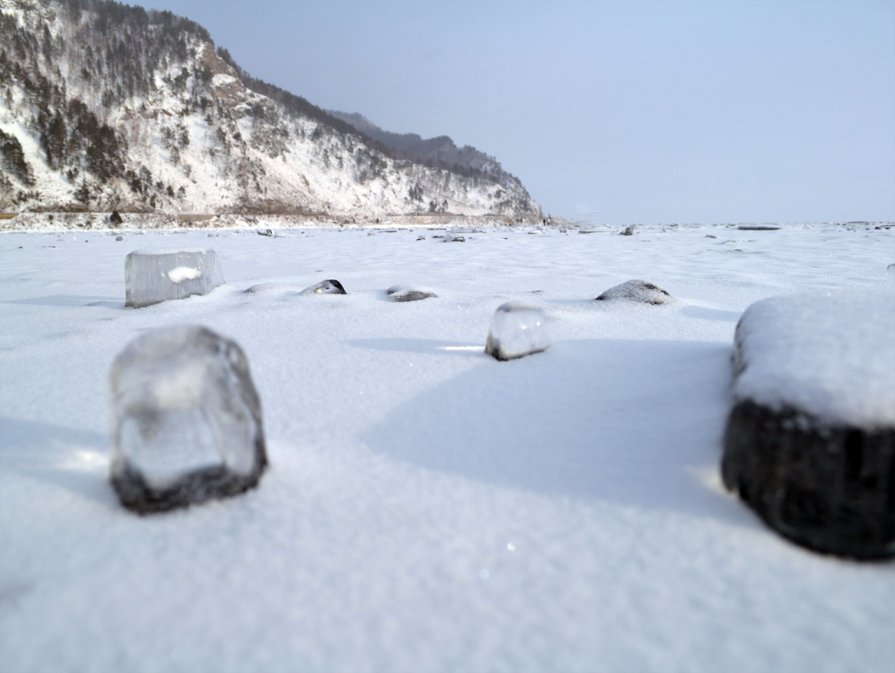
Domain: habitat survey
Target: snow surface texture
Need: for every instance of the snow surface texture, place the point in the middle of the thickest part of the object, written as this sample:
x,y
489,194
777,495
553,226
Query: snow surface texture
x,y
187,420
153,277
830,355
517,330
427,508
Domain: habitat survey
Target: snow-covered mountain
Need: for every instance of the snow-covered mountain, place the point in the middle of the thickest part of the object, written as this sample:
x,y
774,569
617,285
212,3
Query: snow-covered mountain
x,y
104,105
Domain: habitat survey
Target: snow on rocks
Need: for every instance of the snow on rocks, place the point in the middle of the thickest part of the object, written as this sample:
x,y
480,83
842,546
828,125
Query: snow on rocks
x,y
636,291
331,286
186,420
810,441
403,293
516,330
154,277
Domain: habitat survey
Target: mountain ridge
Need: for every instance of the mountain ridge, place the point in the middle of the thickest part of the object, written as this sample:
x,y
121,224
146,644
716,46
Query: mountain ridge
x,y
437,152
105,106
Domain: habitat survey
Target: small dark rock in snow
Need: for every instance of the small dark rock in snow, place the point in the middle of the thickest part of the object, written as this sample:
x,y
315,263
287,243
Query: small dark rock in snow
x,y
454,239
119,238
331,286
265,232
115,218
636,291
757,227
421,238
402,293
628,231
187,420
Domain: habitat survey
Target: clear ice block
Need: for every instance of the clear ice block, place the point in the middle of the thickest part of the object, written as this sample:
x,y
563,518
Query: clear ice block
x,y
516,330
153,277
186,420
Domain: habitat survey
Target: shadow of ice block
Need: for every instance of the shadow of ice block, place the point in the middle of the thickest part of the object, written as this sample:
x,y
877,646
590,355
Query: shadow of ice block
x,y
516,330
186,420
154,277
810,439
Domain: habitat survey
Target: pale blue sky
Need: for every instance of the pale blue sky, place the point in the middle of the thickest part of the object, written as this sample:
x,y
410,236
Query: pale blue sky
x,y
623,112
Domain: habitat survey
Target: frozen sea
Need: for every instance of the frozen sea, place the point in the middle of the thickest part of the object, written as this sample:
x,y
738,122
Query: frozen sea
x,y
427,508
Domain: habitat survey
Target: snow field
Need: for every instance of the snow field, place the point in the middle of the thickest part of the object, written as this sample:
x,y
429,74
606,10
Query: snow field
x,y
427,507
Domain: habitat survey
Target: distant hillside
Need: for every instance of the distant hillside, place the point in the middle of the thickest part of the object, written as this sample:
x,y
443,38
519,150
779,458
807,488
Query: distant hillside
x,y
104,105
439,152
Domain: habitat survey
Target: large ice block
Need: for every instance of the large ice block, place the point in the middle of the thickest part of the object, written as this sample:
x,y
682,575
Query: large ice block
x,y
810,439
516,330
186,420
153,277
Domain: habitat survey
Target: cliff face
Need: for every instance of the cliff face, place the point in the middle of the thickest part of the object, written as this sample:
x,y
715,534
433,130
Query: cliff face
x,y
108,106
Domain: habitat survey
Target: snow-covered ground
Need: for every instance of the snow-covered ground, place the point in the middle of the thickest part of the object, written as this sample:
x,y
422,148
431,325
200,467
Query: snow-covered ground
x,y
427,508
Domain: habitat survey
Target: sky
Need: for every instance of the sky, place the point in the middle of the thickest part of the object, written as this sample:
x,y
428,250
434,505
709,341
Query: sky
x,y
609,111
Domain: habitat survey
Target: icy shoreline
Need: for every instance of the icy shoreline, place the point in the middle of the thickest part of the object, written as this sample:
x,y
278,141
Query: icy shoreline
x,y
100,221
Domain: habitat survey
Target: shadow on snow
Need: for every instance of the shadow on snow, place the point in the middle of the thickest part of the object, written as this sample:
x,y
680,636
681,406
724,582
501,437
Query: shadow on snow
x,y
633,422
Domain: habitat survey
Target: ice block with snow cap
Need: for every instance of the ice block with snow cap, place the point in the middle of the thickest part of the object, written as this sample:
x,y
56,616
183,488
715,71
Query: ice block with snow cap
x,y
154,277
810,440
186,420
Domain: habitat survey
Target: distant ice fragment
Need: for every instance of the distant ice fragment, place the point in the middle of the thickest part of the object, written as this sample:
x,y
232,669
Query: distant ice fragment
x,y
516,330
153,277
186,420
636,291
331,286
